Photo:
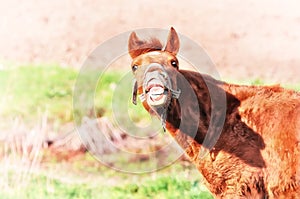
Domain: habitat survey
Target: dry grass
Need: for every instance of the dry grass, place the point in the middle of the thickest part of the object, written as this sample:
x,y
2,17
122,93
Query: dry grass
x,y
21,153
24,174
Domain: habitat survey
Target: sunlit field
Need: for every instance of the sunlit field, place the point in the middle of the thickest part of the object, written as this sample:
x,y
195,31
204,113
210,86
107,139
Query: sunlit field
x,y
36,105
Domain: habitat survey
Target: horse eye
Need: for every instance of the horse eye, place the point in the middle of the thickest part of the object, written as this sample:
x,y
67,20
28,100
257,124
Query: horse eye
x,y
134,68
174,64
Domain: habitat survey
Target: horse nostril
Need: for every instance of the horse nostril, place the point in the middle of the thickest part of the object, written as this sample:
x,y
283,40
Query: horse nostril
x,y
164,74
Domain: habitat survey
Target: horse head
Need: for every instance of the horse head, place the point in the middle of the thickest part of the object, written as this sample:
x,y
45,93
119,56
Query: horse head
x,y
155,69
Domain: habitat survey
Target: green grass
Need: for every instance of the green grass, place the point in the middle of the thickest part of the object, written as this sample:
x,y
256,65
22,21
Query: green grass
x,y
31,90
28,91
44,187
84,177
116,186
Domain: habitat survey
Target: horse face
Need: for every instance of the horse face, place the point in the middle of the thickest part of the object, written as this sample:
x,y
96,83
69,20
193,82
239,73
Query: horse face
x,y
154,69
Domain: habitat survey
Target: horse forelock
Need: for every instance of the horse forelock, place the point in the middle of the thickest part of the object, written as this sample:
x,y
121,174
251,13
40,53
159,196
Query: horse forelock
x,y
146,46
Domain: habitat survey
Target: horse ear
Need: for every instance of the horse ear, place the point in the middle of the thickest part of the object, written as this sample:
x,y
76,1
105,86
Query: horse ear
x,y
134,43
172,45
137,47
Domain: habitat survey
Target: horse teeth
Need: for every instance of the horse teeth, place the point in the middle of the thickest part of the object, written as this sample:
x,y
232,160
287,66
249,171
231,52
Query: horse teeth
x,y
156,91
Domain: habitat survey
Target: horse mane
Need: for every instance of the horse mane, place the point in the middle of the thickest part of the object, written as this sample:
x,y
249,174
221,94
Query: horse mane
x,y
144,46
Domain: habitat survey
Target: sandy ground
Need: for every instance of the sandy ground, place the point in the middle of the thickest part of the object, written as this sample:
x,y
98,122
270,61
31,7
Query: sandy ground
x,y
246,40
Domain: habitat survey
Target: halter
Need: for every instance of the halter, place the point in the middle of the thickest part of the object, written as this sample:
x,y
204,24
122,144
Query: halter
x,y
160,74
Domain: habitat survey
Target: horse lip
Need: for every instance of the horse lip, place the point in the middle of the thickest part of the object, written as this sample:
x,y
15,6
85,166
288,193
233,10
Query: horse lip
x,y
156,94
153,85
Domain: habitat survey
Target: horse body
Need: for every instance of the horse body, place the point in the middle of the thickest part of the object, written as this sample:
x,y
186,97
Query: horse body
x,y
253,153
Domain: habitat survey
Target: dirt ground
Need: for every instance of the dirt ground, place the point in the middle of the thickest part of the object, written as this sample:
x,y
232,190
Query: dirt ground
x,y
246,40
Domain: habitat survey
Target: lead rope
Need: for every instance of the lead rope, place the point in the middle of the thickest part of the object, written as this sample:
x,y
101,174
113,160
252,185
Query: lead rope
x,y
163,116
163,119
142,97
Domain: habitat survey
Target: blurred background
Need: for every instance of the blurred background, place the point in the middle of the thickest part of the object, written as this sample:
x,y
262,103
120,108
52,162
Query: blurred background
x,y
240,38
44,45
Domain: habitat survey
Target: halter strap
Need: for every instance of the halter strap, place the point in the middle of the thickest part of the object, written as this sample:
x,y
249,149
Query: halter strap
x,y
153,75
163,77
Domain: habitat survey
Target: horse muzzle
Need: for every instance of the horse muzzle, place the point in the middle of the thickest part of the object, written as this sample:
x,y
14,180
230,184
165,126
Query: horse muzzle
x,y
157,86
156,93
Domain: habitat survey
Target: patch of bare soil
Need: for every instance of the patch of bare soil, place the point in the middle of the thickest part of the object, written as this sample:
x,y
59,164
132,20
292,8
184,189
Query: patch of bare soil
x,y
246,40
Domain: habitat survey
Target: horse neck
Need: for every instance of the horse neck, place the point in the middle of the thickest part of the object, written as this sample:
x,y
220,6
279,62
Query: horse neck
x,y
191,113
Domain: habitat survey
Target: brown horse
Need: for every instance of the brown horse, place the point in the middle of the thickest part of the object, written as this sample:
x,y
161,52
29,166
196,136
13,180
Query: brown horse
x,y
251,133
